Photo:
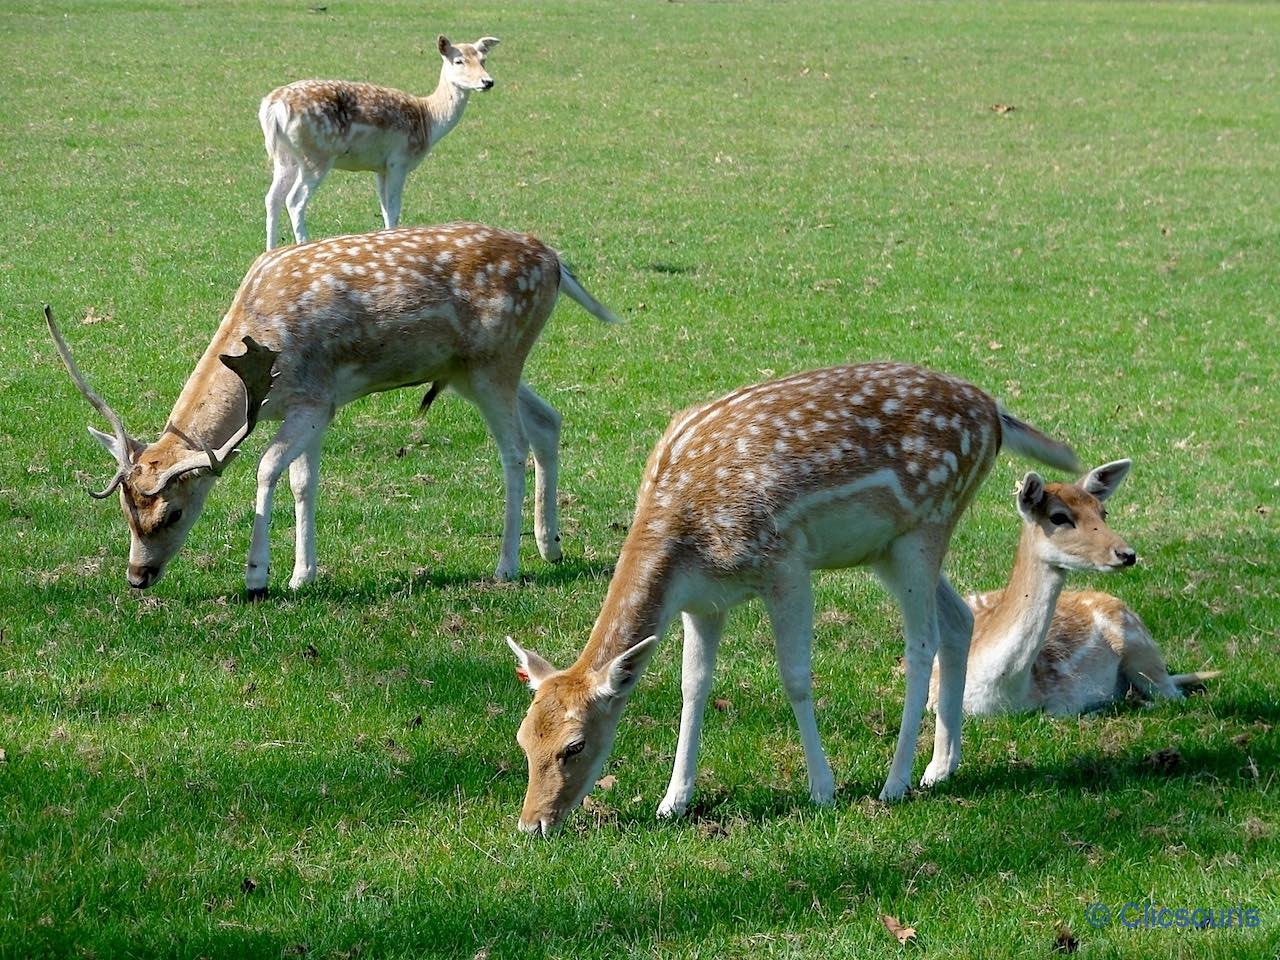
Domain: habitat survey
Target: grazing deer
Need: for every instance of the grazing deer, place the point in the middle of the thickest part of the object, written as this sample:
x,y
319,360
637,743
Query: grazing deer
x,y
1037,648
312,126
748,495
322,324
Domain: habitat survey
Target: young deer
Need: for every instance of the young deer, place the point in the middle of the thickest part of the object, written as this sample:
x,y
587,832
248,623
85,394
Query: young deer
x,y
322,324
312,126
748,495
1037,648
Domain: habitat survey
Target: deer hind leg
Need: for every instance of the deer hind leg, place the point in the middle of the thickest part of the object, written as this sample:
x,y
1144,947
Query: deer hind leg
x,y
542,426
698,663
302,427
1141,662
284,174
789,601
911,572
305,185
496,396
304,476
955,630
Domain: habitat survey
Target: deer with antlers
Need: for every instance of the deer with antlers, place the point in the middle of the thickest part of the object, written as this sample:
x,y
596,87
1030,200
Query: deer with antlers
x,y
312,126
316,326
1037,648
748,495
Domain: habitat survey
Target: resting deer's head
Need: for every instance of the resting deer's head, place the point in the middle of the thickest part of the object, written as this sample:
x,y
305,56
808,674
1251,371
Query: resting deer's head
x,y
163,485
1067,522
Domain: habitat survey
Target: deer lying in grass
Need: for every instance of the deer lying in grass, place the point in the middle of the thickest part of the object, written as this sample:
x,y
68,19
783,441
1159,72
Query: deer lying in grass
x,y
312,126
748,495
1037,648
317,326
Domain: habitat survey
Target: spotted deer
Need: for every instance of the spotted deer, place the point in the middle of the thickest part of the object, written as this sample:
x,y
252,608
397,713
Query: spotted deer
x,y
316,326
748,495
1037,648
312,126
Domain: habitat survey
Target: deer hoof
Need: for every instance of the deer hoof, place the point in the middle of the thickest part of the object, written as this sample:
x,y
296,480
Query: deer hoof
x,y
255,594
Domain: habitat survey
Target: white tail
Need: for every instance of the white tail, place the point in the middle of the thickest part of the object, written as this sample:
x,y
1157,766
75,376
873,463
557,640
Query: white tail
x,y
311,126
747,495
315,326
1037,648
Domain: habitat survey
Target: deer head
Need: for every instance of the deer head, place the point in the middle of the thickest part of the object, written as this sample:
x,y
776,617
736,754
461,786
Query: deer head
x,y
163,485
1067,522
464,62
569,729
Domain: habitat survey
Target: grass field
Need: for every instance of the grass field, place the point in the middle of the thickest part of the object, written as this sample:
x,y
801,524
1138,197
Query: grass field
x,y
758,188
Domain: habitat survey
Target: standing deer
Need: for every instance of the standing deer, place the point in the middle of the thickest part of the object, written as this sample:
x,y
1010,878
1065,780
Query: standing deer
x,y
748,495
322,324
1037,648
312,126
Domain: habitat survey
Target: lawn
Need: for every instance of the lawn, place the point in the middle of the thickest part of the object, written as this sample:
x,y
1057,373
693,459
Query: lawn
x,y
757,188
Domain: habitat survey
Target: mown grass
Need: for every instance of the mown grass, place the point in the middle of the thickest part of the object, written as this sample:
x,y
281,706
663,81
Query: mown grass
x,y
758,188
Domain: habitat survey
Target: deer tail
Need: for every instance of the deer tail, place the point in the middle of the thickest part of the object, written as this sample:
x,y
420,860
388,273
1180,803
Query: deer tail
x,y
1024,439
570,285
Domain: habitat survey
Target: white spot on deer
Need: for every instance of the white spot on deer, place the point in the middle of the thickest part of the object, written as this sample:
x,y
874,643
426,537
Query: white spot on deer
x,y
938,474
742,446
949,459
890,407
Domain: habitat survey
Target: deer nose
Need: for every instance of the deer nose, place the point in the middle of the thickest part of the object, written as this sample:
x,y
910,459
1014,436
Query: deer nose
x,y
1127,556
487,83
141,577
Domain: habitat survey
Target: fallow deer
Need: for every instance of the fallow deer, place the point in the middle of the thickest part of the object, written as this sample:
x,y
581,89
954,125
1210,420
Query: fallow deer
x,y
748,495
1037,648
325,323
312,126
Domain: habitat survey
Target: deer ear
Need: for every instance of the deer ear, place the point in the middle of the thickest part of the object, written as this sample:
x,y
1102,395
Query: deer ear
x,y
112,446
1103,481
620,676
531,669
1030,495
485,44
443,45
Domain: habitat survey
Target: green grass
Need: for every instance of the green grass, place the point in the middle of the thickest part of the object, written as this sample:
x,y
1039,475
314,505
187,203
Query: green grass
x,y
757,187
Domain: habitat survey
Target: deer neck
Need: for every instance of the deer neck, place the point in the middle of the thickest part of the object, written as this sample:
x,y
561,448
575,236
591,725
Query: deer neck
x,y
638,605
1018,624
211,406
444,107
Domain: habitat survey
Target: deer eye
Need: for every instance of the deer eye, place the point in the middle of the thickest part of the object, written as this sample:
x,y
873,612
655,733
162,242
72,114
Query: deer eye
x,y
173,517
458,61
1061,519
572,750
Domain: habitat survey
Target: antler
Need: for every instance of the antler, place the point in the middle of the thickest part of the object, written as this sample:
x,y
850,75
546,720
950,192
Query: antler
x,y
254,367
124,443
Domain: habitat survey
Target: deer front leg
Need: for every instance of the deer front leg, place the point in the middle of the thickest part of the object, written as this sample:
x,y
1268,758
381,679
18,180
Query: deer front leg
x,y
955,630
300,429
304,477
496,398
789,601
698,663
542,426
911,574
391,193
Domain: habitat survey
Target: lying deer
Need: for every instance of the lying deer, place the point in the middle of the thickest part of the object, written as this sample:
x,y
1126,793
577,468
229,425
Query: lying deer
x,y
748,495
1037,648
312,126
317,326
